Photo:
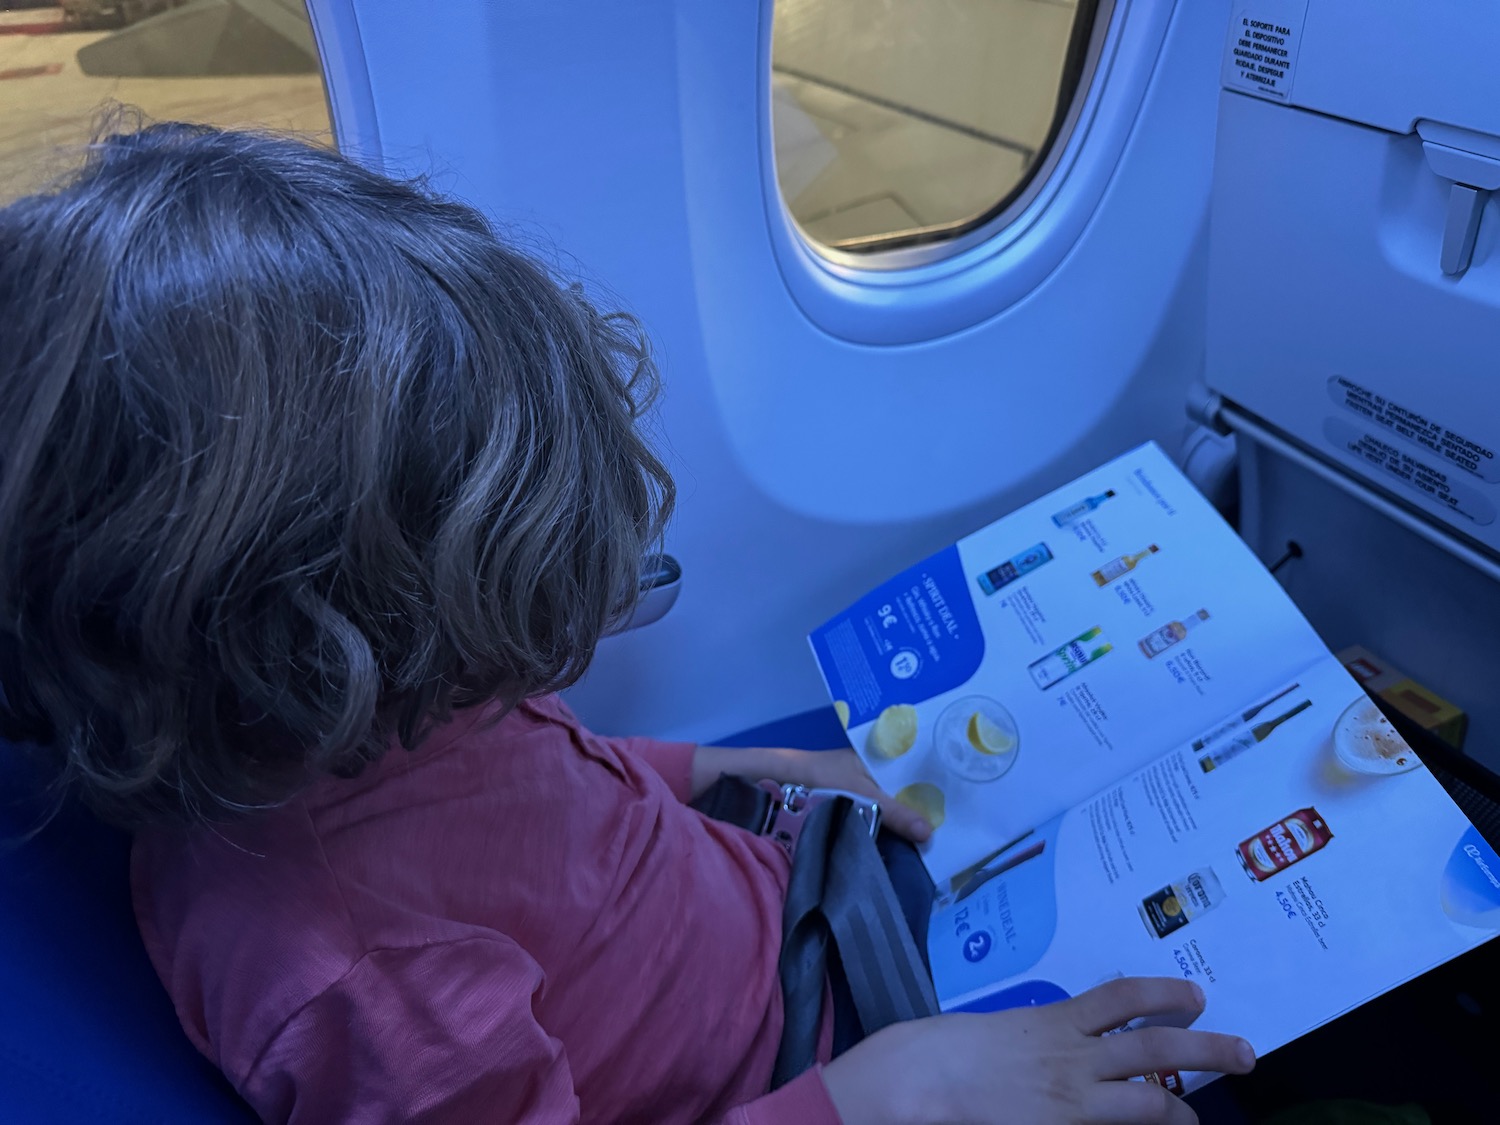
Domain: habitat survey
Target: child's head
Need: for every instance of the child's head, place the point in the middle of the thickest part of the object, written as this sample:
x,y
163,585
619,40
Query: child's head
x,y
293,457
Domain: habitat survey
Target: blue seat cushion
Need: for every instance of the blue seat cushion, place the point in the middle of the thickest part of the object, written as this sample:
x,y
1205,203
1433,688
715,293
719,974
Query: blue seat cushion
x,y
86,1030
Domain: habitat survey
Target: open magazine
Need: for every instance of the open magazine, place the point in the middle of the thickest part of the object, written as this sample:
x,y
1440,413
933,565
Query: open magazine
x,y
1143,761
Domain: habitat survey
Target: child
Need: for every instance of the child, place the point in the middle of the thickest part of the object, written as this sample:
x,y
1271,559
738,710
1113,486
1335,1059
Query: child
x,y
313,494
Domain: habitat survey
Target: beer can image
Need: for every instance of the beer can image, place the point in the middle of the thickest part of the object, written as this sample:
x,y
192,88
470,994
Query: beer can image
x,y
1168,1080
1179,902
1288,841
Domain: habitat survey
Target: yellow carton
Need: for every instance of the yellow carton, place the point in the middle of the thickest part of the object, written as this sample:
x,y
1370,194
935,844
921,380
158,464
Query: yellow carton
x,y
1430,711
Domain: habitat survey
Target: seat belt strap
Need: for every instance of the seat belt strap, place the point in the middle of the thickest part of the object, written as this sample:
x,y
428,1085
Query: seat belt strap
x,y
839,891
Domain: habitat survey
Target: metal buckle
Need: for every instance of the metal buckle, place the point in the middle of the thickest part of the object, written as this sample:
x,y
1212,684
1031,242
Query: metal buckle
x,y
787,814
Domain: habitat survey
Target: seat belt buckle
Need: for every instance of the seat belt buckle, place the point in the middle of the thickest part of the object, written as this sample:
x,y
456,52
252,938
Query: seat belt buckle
x,y
792,803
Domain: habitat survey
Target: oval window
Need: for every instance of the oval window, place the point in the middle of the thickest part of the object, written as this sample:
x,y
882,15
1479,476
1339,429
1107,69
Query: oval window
x,y
224,63
906,122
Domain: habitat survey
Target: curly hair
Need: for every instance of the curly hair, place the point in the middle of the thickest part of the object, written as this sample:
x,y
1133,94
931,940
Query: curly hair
x,y
294,459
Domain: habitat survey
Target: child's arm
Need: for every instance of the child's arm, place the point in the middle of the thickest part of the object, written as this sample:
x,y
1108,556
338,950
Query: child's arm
x,y
689,769
447,1032
674,761
439,1032
816,769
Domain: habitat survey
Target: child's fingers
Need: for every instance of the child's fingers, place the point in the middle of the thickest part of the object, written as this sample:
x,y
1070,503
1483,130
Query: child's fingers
x,y
903,821
1115,1004
1154,1049
1135,1103
901,818
844,770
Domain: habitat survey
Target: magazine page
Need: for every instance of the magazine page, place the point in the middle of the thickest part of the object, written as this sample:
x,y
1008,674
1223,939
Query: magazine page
x,y
1010,676
1295,865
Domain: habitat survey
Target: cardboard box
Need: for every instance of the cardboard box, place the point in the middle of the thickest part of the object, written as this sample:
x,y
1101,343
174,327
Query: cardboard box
x,y
1424,707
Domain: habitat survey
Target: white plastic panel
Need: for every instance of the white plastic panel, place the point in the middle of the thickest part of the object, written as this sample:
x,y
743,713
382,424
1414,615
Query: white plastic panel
x,y
350,103
1330,315
1386,63
631,138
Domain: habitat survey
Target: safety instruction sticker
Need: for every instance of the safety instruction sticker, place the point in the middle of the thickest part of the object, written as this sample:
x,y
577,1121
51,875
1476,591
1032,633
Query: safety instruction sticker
x,y
1261,55
1451,446
1426,480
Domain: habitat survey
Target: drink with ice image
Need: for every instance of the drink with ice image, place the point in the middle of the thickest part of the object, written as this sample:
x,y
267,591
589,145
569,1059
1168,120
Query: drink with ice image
x,y
977,738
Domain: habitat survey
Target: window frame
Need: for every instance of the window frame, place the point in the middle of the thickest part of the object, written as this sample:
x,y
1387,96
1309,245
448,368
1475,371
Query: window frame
x,y
346,80
1080,61
914,293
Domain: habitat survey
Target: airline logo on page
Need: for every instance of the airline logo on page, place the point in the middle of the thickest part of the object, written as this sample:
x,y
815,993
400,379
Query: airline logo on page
x,y
1471,883
1477,856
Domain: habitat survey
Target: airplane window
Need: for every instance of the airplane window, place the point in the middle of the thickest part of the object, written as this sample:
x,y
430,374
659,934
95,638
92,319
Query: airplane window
x,y
912,121
223,62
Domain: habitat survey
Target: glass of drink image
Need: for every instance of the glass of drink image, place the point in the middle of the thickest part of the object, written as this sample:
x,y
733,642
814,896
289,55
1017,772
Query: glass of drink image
x,y
1365,742
977,738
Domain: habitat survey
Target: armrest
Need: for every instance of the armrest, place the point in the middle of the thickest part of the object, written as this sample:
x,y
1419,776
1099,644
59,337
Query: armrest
x,y
661,582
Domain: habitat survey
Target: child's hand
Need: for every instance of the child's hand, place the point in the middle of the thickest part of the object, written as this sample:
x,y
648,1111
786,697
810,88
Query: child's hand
x,y
816,769
1035,1066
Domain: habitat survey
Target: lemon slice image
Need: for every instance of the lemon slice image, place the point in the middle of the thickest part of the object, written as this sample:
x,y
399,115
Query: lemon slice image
x,y
988,737
894,732
925,798
841,709
977,738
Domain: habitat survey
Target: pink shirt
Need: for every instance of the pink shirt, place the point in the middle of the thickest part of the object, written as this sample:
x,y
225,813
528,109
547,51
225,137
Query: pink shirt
x,y
519,921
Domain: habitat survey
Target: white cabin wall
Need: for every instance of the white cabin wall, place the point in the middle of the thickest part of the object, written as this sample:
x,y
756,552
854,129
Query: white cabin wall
x,y
589,127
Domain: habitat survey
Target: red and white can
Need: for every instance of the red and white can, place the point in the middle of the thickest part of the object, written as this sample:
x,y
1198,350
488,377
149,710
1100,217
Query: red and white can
x,y
1168,1080
1288,841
